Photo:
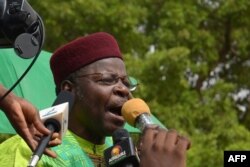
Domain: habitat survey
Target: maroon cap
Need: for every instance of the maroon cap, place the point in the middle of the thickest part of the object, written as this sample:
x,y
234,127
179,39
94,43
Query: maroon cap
x,y
81,52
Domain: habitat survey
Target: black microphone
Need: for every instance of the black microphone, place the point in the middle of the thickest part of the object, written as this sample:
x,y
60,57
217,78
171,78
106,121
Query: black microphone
x,y
137,113
55,119
122,153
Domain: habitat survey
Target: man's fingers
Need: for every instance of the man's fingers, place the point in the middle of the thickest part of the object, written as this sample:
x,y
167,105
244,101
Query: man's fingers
x,y
160,139
171,137
183,143
51,143
50,153
55,135
40,127
28,138
55,142
148,137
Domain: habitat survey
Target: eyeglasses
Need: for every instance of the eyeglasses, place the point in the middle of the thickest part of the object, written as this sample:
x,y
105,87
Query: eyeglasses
x,y
112,78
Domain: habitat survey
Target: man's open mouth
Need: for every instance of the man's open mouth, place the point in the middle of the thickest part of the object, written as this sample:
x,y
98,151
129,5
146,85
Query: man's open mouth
x,y
115,110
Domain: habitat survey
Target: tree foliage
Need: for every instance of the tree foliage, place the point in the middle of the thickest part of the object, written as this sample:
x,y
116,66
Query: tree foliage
x,y
191,58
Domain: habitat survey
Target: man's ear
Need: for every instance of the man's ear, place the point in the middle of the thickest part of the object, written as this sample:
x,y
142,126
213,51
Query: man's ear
x,y
67,85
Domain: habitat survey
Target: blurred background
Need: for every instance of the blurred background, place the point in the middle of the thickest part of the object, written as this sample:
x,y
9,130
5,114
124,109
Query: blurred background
x,y
191,57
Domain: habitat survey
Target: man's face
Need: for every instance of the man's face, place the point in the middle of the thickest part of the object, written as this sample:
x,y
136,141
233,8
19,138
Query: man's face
x,y
101,88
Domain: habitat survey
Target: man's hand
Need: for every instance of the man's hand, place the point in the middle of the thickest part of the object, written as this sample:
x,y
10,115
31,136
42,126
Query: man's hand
x,y
25,119
163,148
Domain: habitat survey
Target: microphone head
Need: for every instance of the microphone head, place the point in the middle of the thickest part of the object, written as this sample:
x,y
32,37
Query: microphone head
x,y
64,96
134,108
59,111
123,152
119,134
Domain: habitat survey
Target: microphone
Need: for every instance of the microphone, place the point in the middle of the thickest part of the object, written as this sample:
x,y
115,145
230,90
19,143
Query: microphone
x,y
122,153
55,119
137,113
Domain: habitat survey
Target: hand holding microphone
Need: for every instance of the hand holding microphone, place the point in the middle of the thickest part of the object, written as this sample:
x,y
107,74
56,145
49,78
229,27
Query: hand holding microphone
x,y
25,119
158,147
163,148
56,120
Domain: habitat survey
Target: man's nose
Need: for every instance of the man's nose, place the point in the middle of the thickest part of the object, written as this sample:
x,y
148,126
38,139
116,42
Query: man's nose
x,y
121,89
